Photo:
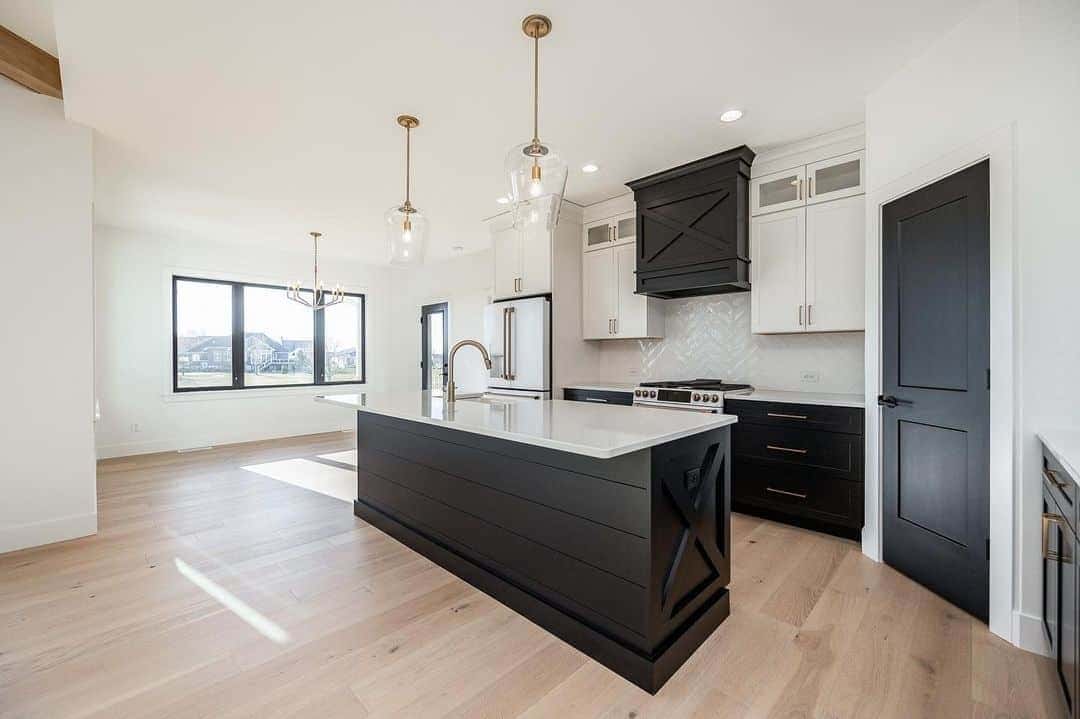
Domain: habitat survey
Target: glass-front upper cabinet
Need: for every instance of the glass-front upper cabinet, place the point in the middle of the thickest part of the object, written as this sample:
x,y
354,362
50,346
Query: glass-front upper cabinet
x,y
613,231
836,177
778,191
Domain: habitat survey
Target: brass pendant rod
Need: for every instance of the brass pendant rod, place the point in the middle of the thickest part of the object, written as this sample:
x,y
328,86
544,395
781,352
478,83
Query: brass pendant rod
x,y
408,163
536,89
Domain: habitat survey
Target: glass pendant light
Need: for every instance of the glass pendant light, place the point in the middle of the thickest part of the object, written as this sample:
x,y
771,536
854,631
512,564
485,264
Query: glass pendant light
x,y
406,227
537,172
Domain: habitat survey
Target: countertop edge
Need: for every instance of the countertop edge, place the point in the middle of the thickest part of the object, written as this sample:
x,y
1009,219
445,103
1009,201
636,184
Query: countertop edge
x,y
824,399
1054,446
556,445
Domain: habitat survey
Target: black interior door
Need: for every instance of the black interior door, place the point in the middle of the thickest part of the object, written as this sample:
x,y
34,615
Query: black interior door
x,y
433,346
936,377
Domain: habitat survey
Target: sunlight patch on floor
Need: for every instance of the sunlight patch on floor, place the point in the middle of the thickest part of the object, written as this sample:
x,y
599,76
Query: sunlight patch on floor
x,y
322,478
347,457
234,604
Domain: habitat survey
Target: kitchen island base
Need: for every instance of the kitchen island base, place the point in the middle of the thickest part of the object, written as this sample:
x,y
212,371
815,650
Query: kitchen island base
x,y
627,558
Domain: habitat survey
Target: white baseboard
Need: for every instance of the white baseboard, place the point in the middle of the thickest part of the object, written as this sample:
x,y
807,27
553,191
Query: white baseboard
x,y
47,532
1028,633
173,444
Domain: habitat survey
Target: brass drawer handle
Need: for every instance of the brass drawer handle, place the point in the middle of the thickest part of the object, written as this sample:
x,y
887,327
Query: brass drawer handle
x,y
1047,554
785,449
1051,475
786,416
785,493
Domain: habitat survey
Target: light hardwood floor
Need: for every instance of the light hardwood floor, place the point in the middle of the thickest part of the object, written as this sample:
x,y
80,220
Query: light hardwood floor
x,y
213,591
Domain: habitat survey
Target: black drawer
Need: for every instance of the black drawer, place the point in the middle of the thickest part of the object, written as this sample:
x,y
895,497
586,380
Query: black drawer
x,y
1061,487
840,454
798,491
599,396
806,416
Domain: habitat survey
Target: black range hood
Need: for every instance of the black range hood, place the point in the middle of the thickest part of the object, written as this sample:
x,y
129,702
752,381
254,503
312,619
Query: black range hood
x,y
693,227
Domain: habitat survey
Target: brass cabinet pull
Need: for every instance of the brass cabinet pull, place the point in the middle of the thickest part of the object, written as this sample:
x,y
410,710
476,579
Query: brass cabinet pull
x,y
809,314
810,182
615,326
786,416
800,315
785,449
1051,475
785,493
798,186
1047,554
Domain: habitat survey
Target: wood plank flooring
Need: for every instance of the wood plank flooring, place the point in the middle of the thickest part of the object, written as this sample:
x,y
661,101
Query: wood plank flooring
x,y
213,591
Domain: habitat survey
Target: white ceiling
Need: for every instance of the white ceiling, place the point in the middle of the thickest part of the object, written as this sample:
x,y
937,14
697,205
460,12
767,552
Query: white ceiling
x,y
257,121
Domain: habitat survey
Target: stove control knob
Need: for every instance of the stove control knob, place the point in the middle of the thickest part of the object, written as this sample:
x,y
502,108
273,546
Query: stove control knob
x,y
652,393
715,398
697,397
637,393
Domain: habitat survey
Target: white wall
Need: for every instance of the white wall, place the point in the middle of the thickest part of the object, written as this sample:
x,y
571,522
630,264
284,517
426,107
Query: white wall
x,y
139,413
465,284
1012,63
47,476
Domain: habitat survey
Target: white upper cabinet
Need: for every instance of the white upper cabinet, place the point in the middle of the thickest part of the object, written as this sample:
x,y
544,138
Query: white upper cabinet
x,y
610,309
536,260
836,265
506,244
778,272
808,236
523,259
599,286
836,177
778,191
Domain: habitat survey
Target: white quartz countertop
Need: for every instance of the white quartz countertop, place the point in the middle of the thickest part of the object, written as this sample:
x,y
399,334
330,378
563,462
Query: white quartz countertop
x,y
1064,444
604,386
601,431
826,398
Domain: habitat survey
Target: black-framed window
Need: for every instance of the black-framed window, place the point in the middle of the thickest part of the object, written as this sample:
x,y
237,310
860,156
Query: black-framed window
x,y
244,335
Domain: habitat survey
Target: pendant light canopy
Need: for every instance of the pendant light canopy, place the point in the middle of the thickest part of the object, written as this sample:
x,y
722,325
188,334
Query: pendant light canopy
x,y
319,297
406,227
537,172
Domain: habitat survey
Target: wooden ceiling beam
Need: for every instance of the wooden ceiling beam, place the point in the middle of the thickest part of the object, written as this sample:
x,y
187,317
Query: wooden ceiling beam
x,y
29,65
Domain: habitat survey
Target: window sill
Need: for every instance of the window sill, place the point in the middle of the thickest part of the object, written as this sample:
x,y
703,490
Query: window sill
x,y
255,393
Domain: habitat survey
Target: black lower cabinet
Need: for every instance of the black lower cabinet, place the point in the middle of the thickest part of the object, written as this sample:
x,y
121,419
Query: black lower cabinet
x,y
801,464
575,394
1061,613
627,559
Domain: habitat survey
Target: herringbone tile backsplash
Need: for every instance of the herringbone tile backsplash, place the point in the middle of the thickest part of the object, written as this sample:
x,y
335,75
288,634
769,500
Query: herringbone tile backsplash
x,y
710,337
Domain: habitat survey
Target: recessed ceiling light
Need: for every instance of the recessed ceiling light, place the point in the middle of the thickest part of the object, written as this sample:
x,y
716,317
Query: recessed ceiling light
x,y
591,167
731,116
502,200
458,249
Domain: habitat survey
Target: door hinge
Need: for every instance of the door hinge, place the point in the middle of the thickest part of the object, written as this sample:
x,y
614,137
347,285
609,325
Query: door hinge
x,y
987,378
988,549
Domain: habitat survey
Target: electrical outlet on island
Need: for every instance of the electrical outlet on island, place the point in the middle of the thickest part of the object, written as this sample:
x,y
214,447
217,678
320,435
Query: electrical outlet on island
x,y
810,376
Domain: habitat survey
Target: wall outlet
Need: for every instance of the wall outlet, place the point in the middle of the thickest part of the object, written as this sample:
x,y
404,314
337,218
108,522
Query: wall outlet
x,y
135,428
633,372
810,376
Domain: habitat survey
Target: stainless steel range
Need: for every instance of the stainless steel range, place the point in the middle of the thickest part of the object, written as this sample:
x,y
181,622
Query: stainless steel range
x,y
696,395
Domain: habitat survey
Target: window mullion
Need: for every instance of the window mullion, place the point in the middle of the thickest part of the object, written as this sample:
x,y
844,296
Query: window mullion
x,y
318,361
238,335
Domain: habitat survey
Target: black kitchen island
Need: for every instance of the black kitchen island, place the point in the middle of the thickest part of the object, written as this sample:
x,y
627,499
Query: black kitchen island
x,y
608,526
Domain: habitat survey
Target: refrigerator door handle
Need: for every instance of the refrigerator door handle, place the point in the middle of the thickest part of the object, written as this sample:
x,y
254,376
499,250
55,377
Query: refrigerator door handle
x,y
505,334
510,344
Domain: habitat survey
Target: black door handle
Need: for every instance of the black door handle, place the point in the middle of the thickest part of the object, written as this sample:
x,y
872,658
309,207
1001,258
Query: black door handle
x,y
887,400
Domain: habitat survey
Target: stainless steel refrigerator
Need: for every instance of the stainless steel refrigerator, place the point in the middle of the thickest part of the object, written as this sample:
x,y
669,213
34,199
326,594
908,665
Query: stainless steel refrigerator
x,y
517,334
